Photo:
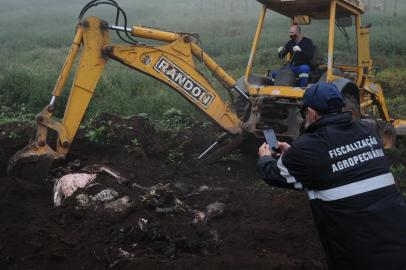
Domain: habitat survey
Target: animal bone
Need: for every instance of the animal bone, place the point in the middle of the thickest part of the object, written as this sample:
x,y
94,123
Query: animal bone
x,y
142,224
212,210
102,168
119,205
215,209
199,217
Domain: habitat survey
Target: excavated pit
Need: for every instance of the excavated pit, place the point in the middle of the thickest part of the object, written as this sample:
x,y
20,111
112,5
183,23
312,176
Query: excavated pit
x,y
177,213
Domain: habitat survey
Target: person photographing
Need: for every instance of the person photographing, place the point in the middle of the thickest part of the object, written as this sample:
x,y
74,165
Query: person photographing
x,y
358,211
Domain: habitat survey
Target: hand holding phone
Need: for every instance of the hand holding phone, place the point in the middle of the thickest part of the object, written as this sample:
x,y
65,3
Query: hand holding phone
x,y
271,140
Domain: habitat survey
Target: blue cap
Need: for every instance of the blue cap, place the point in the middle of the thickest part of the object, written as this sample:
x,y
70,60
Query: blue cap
x,y
324,98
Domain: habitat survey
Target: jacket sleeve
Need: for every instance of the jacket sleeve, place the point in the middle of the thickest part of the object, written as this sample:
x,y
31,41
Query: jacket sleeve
x,y
308,50
275,173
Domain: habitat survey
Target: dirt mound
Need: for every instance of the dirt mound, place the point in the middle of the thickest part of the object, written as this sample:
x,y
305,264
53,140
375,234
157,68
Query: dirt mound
x,y
175,213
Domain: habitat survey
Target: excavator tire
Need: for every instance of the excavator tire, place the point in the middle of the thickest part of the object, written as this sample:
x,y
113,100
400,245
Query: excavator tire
x,y
352,105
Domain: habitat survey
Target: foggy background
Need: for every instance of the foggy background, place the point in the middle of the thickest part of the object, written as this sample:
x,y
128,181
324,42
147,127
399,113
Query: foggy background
x,y
35,37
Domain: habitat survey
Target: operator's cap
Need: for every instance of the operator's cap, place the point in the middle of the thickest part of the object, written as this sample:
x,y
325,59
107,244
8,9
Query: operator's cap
x,y
324,98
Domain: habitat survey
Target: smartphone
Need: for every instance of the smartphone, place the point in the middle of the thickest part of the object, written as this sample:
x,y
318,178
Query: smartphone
x,y
271,139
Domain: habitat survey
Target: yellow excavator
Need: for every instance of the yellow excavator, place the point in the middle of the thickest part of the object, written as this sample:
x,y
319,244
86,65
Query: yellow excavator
x,y
262,103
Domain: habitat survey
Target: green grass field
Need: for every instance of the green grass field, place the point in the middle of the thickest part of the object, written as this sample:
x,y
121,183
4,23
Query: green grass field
x,y
35,38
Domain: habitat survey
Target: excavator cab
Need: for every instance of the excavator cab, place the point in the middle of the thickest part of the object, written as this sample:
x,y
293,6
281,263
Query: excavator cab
x,y
340,13
278,101
262,104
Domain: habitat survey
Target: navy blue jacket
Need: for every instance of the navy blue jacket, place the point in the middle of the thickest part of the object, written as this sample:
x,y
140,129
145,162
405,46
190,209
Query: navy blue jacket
x,y
300,58
357,208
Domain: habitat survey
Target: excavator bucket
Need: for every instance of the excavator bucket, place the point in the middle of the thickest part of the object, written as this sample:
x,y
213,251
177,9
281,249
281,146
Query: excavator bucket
x,y
29,163
34,161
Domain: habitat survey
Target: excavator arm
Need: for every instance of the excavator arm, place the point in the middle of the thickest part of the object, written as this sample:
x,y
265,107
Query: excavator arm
x,y
172,63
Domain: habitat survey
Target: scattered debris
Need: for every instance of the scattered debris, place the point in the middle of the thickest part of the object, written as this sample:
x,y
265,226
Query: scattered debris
x,y
120,205
142,222
103,196
82,201
215,209
121,257
212,210
65,186
199,217
96,236
97,168
203,188
152,189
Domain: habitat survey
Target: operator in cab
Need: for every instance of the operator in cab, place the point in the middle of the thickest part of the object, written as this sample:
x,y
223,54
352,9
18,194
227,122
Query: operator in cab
x,y
357,208
301,49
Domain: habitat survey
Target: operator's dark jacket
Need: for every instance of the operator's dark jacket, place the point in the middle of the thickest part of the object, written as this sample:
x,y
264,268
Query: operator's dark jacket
x,y
300,58
358,211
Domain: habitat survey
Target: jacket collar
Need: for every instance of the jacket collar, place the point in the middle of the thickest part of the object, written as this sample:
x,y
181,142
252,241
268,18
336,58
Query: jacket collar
x,y
332,119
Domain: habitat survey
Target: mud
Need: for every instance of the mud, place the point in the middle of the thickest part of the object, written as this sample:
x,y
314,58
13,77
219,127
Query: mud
x,y
253,227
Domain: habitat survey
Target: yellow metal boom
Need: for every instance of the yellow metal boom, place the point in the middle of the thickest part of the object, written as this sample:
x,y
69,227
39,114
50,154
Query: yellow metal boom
x,y
172,63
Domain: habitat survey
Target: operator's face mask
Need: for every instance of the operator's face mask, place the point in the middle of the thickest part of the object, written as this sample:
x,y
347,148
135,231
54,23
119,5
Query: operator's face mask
x,y
293,37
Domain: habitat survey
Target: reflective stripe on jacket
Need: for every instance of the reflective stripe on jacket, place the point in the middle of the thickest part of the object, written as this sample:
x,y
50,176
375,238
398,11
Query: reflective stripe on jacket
x,y
358,211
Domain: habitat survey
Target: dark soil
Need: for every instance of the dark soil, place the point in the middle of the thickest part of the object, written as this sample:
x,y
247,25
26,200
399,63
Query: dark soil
x,y
262,227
